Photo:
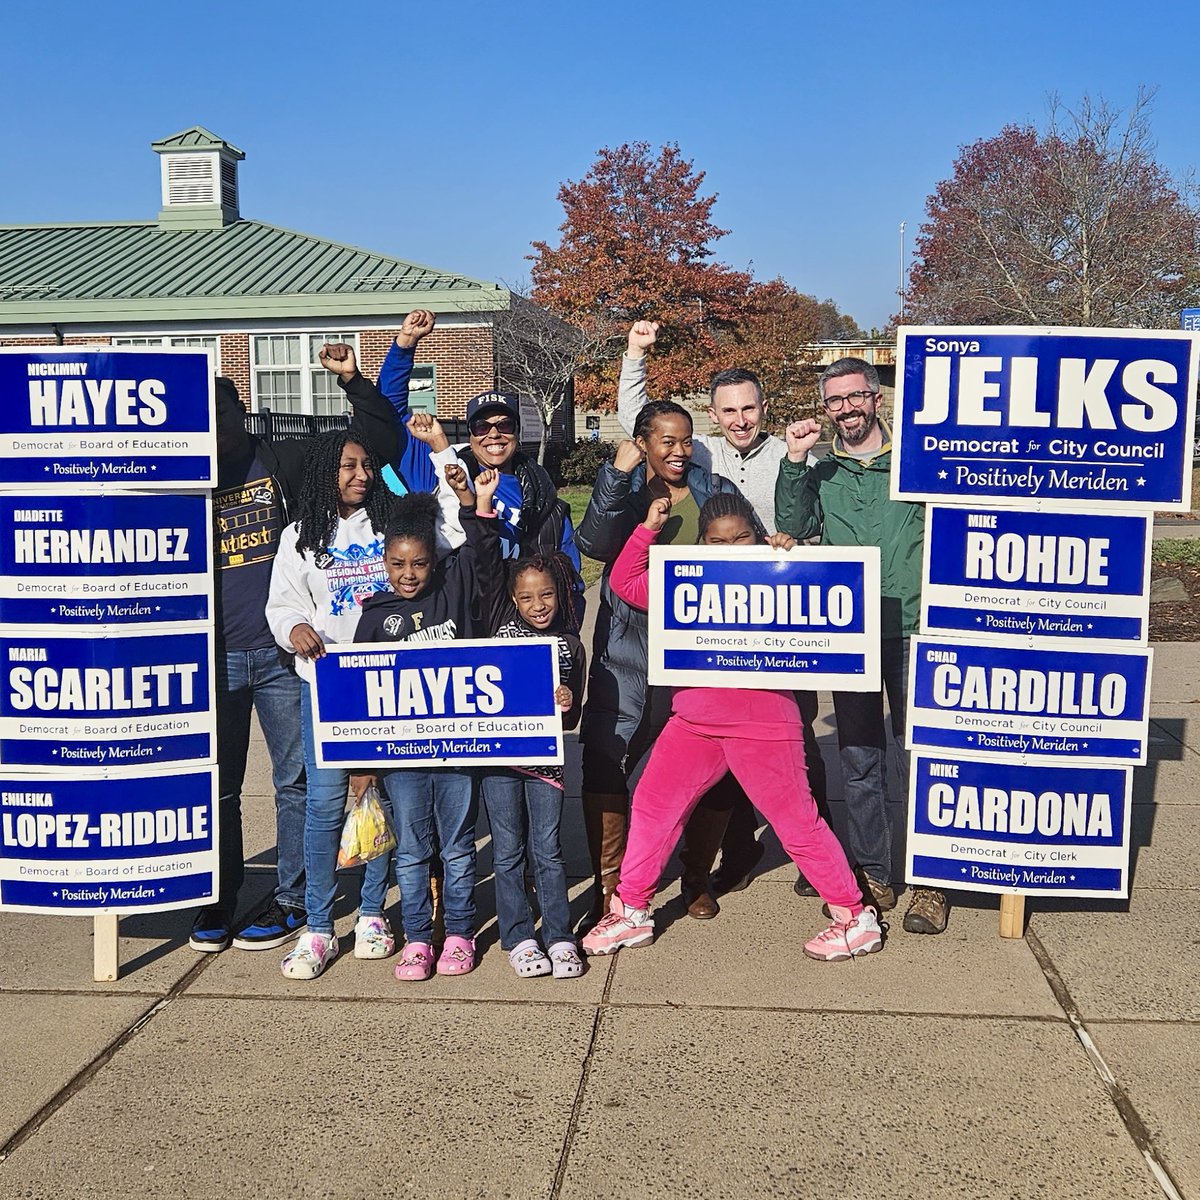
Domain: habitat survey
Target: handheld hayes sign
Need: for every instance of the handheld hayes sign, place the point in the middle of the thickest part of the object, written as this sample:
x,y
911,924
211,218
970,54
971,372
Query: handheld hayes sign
x,y
754,617
97,419
129,841
1014,576
1045,830
973,698
473,703
1024,415
117,559
73,702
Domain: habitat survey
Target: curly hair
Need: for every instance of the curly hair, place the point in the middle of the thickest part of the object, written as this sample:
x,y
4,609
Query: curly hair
x,y
730,504
319,493
415,518
561,570
657,408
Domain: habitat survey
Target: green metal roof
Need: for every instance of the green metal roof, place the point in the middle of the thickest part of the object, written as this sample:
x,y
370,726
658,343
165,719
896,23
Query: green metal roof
x,y
196,138
145,270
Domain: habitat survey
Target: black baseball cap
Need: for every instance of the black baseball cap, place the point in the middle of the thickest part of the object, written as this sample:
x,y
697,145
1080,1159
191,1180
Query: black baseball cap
x,y
487,403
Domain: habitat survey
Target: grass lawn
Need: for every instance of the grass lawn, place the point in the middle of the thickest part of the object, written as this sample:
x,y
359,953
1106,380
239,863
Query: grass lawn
x,y
577,497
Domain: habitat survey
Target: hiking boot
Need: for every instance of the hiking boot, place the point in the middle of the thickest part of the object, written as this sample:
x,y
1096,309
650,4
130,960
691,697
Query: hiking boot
x,y
803,888
927,912
274,926
210,931
883,894
846,937
622,926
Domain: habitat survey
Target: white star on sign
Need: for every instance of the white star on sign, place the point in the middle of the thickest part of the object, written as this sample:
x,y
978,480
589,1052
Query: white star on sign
x,y
378,749
941,474
1141,483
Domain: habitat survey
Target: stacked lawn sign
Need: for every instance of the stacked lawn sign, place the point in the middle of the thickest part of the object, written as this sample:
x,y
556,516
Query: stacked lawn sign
x,y
107,723
1043,454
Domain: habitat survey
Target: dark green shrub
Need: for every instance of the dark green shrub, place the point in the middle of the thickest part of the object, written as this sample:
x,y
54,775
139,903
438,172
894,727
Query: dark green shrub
x,y
582,461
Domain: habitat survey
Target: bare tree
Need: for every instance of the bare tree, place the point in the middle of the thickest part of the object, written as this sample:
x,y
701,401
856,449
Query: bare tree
x,y
1076,226
538,355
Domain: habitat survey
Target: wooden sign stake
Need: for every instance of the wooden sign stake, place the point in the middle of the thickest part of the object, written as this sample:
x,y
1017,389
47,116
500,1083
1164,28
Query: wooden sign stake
x,y
1012,915
106,947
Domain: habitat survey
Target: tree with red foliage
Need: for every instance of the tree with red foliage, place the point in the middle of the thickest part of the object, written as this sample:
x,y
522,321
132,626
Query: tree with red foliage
x,y
636,243
1077,226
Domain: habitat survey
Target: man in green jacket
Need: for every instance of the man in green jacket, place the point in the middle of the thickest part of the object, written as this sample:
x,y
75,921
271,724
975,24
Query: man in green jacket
x,y
844,499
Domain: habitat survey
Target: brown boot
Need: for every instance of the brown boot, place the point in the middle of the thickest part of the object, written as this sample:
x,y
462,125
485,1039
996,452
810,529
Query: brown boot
x,y
606,823
701,841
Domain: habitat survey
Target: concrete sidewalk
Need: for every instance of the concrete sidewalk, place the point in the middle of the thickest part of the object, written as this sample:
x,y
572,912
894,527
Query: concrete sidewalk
x,y
719,1062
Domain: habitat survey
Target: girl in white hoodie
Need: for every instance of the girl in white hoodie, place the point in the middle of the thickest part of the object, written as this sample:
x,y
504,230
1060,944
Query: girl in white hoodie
x,y
329,562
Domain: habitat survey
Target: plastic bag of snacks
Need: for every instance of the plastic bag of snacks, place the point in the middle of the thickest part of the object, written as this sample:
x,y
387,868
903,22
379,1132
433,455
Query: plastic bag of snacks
x,y
367,833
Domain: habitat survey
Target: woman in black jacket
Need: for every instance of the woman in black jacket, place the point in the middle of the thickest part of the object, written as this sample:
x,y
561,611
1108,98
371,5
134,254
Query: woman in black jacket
x,y
623,714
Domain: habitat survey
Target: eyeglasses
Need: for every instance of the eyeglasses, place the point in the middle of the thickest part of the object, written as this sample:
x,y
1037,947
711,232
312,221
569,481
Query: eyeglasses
x,y
854,399
481,426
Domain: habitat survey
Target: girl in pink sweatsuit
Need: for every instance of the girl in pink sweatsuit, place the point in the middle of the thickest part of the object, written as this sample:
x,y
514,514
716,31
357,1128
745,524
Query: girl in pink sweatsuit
x,y
757,735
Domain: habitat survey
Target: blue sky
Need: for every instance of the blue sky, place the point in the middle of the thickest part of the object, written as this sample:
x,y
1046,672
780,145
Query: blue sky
x,y
441,132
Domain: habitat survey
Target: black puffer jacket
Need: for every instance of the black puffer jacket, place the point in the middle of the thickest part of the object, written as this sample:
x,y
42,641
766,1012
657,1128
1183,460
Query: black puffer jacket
x,y
617,680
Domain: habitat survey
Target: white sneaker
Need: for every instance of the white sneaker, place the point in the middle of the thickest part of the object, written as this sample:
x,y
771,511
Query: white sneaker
x,y
620,926
373,938
310,956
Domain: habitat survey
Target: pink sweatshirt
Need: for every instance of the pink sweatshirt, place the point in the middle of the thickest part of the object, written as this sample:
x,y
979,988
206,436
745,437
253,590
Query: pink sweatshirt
x,y
745,712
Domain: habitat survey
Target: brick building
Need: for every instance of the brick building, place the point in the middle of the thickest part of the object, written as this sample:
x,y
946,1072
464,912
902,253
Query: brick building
x,y
262,298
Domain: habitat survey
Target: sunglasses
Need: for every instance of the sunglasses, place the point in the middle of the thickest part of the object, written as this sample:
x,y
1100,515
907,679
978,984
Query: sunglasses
x,y
481,426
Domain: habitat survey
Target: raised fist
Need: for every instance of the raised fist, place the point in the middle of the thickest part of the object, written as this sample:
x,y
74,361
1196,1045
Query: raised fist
x,y
629,455
801,437
642,335
416,325
657,513
339,358
425,427
486,483
456,477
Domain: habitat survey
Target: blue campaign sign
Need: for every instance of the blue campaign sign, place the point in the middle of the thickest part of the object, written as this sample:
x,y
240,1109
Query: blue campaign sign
x,y
103,418
1025,416
754,617
1060,705
76,702
120,559
123,841
1027,829
1010,575
473,703
1189,319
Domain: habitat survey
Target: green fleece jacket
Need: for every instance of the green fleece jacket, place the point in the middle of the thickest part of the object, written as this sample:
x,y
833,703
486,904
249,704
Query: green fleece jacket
x,y
845,500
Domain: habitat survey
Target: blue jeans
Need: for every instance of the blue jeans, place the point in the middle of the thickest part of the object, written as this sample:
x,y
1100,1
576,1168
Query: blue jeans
x,y
325,813
525,813
262,680
445,799
862,744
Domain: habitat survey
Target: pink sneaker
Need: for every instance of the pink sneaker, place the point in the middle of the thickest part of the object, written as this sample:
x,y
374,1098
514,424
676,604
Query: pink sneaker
x,y
457,956
621,926
847,937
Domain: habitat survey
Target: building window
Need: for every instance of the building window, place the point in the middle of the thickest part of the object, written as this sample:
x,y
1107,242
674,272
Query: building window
x,y
422,388
187,343
288,376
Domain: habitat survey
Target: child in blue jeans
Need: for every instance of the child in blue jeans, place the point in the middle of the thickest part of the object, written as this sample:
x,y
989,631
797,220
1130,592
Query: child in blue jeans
x,y
532,598
429,601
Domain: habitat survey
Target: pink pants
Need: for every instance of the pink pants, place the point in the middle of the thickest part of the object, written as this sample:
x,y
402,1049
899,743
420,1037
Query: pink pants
x,y
686,762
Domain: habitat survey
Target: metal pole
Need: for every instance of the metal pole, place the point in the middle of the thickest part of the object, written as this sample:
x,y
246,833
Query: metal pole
x,y
901,272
